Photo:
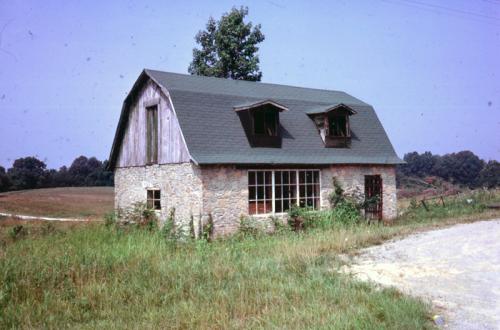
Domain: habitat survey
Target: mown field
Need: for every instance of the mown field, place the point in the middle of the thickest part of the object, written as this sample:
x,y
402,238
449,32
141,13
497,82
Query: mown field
x,y
89,275
77,202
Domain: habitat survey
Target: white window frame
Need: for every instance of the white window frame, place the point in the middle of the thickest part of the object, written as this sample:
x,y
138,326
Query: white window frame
x,y
273,188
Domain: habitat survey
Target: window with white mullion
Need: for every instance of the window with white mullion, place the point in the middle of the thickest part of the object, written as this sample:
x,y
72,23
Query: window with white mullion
x,y
277,190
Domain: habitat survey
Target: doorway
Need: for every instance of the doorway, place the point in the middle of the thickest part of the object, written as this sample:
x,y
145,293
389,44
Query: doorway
x,y
373,197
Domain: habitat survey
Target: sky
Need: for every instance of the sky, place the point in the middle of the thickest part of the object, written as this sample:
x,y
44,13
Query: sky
x,y
430,68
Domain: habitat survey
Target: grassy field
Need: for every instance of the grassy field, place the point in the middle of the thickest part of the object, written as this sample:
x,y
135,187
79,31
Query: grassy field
x,y
88,276
81,202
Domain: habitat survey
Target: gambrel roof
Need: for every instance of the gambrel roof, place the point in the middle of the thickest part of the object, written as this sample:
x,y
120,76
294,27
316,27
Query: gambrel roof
x,y
205,108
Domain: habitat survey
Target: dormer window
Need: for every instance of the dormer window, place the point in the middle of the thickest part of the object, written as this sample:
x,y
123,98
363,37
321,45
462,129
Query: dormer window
x,y
265,122
338,125
261,122
333,124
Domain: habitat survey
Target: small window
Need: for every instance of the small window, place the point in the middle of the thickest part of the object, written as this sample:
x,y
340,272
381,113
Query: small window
x,y
152,134
265,122
154,199
338,126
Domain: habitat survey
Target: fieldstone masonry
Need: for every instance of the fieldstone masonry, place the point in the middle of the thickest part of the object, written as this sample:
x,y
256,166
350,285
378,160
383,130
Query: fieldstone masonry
x,y
222,191
180,186
352,180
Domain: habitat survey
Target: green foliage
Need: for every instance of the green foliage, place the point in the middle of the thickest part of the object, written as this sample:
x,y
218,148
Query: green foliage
x,y
4,180
346,213
462,168
17,231
280,225
27,173
228,48
460,205
489,176
110,219
337,195
168,231
31,173
207,229
89,172
142,216
249,227
296,217
192,233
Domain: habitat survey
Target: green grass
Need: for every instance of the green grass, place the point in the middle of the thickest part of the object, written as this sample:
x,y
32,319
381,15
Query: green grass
x,y
89,276
97,277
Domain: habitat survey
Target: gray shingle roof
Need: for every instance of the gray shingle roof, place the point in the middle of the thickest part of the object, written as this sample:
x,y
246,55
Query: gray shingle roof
x,y
214,134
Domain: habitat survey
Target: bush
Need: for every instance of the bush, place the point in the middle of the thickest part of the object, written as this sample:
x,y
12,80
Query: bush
x,y
142,216
168,230
249,227
337,195
347,213
110,219
207,229
280,226
17,232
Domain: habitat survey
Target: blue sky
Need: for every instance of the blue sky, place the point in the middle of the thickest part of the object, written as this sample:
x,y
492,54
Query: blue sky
x,y
430,68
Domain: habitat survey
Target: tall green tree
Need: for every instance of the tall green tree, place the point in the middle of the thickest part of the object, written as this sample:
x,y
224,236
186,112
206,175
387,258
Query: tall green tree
x,y
228,48
27,173
4,180
490,175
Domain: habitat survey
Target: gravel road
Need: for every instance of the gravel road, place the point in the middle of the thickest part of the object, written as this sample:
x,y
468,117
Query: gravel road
x,y
457,269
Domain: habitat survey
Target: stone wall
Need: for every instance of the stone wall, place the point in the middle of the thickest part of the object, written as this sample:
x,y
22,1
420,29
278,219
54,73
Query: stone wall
x,y
180,186
222,191
225,196
225,191
352,180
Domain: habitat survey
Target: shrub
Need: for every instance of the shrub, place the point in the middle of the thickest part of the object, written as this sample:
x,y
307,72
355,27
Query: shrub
x,y
168,230
280,226
296,217
48,228
347,213
110,219
192,233
249,227
337,195
17,232
207,229
142,216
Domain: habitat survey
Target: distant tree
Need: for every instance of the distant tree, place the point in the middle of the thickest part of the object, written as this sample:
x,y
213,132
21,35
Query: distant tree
x,y
27,173
62,178
81,168
4,180
462,167
490,175
228,48
419,164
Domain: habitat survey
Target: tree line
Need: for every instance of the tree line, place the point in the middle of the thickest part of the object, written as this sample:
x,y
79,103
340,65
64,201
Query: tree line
x,y
463,168
31,173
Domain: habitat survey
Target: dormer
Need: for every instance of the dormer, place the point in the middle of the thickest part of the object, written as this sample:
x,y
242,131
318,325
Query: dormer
x,y
333,124
261,122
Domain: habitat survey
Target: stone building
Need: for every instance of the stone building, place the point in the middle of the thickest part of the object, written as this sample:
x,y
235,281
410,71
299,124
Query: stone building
x,y
226,148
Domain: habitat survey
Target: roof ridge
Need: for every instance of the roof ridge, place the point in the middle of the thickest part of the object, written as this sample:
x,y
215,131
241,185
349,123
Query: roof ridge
x,y
255,98
250,82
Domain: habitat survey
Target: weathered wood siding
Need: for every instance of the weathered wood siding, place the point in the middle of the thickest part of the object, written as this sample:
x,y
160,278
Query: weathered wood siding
x,y
171,146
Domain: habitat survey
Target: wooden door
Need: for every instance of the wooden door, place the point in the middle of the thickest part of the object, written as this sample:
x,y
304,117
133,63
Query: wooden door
x,y
373,197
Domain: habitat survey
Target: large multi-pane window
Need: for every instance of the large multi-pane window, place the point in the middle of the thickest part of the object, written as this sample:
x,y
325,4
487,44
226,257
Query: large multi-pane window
x,y
275,191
